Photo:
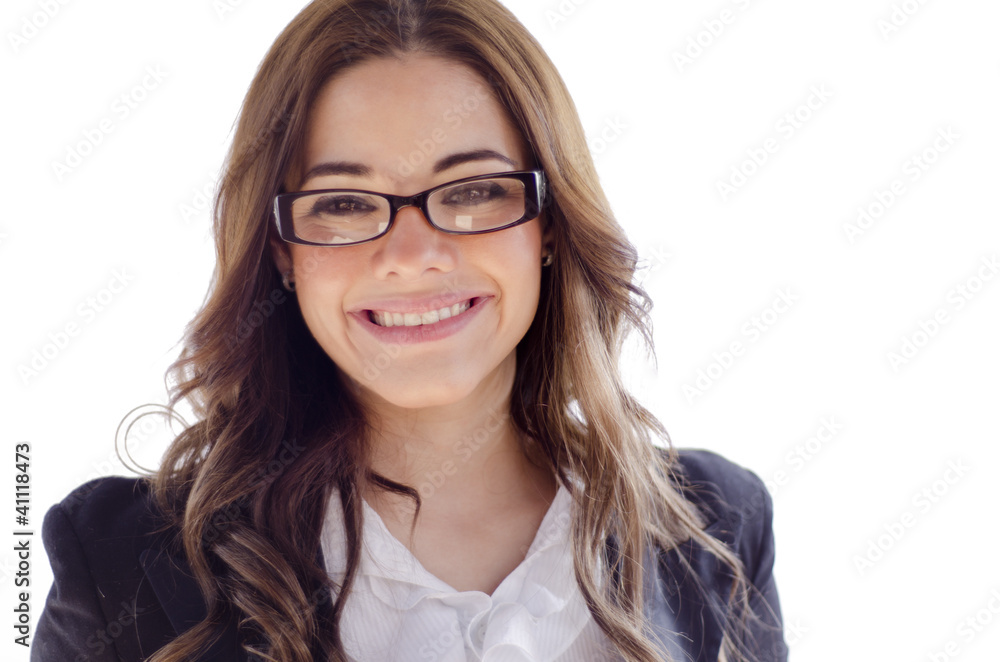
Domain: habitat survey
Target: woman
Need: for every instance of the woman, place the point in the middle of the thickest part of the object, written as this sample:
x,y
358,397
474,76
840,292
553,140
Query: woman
x,y
412,343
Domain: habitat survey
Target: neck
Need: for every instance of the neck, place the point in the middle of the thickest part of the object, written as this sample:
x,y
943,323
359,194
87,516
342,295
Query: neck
x,y
462,456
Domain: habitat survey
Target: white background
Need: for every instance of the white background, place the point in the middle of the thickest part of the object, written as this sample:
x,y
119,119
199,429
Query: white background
x,y
665,133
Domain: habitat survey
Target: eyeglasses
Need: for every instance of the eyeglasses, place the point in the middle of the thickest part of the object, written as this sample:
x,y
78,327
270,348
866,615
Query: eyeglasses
x,y
474,205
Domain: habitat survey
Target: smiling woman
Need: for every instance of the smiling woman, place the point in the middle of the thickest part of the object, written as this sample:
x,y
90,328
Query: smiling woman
x,y
470,479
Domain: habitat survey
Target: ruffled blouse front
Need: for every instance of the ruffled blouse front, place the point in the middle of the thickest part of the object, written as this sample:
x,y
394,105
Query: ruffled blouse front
x,y
397,610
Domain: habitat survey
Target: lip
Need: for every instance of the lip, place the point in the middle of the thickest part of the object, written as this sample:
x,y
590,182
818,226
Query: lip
x,y
411,335
419,305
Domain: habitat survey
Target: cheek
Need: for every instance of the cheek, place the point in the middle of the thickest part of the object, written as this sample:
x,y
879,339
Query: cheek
x,y
322,277
527,251
517,262
519,245
313,264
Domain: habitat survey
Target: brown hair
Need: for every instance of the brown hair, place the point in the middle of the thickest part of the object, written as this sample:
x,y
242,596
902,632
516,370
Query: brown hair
x,y
249,483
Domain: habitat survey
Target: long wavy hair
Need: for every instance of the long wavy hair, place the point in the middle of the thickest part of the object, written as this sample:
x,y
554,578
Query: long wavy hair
x,y
248,484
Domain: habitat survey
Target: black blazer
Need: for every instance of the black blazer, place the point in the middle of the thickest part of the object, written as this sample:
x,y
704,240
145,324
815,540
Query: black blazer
x,y
119,594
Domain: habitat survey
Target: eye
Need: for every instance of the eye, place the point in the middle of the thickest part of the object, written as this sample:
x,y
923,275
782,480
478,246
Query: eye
x,y
341,205
475,193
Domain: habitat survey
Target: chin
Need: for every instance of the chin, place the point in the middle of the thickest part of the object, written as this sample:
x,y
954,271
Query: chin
x,y
420,394
423,400
463,381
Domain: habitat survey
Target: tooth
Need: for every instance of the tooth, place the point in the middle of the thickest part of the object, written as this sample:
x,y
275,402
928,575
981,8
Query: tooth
x,y
417,319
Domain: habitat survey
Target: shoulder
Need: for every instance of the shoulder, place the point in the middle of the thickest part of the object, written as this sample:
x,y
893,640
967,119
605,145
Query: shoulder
x,y
734,501
720,486
105,508
104,526
102,606
101,492
695,584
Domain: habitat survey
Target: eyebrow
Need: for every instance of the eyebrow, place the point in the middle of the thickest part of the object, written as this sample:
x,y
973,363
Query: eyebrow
x,y
361,170
467,157
338,168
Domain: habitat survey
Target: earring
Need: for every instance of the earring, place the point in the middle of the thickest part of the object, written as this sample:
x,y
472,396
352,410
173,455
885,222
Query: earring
x,y
547,260
287,282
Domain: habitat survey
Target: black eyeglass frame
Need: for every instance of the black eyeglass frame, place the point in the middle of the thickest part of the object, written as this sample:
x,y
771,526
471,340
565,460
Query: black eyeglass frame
x,y
534,197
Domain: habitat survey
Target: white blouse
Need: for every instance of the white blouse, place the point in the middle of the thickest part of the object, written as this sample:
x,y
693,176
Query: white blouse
x,y
398,611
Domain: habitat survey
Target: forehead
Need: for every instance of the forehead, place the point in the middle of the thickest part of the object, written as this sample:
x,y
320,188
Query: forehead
x,y
412,109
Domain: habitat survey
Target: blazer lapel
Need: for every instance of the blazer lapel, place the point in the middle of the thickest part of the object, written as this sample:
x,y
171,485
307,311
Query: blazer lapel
x,y
174,585
684,626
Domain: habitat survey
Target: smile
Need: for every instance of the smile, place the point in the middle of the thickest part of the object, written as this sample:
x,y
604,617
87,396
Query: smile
x,y
387,319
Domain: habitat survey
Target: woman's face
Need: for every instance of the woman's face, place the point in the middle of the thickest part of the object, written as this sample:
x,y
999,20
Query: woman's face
x,y
401,126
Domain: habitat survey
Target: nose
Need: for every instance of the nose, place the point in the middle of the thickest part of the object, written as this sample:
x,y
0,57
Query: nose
x,y
413,247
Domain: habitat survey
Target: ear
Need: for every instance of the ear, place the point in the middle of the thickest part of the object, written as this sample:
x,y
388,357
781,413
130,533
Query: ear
x,y
281,255
548,235
281,251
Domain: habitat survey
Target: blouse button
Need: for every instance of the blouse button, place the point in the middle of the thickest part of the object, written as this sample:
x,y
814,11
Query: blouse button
x,y
480,632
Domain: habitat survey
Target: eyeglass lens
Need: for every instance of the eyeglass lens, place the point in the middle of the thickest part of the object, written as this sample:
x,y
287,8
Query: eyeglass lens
x,y
345,216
